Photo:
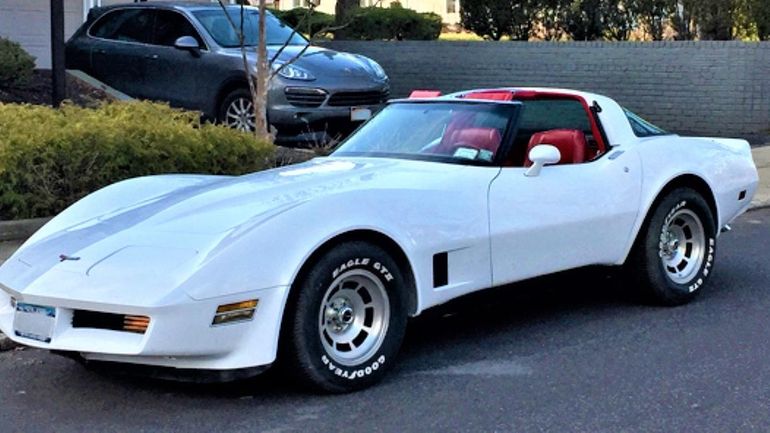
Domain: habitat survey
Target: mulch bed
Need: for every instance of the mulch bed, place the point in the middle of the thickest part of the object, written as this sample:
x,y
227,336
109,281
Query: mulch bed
x,y
38,91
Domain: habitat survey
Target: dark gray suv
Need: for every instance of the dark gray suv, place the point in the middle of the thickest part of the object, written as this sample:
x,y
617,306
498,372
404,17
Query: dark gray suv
x,y
189,55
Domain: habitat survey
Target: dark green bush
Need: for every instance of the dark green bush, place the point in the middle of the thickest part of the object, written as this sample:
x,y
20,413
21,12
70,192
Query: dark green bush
x,y
16,65
297,19
376,23
51,158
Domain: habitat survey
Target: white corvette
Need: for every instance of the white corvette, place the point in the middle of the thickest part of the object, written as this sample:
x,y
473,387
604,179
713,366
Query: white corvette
x,y
319,265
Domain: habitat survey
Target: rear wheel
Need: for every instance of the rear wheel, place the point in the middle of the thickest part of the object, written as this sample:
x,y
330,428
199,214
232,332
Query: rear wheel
x,y
348,319
674,254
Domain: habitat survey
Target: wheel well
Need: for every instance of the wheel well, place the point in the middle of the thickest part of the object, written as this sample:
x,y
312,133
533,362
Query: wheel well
x,y
229,86
376,238
696,183
688,181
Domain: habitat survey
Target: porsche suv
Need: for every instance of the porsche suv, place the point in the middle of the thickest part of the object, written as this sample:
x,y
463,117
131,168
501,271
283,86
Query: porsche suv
x,y
189,55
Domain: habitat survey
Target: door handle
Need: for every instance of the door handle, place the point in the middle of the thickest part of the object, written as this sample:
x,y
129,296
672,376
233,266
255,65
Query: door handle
x,y
152,56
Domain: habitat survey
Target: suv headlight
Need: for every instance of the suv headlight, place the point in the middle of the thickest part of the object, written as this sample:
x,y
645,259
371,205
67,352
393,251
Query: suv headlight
x,y
292,72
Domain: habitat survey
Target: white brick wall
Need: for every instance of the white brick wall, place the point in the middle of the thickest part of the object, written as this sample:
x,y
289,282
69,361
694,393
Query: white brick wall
x,y
708,88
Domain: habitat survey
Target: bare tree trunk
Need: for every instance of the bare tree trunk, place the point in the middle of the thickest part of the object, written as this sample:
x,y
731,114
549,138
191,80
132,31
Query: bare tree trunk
x,y
342,12
261,128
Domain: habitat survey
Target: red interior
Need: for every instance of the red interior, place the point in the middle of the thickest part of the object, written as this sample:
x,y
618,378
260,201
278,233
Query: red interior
x,y
571,144
492,95
477,138
424,94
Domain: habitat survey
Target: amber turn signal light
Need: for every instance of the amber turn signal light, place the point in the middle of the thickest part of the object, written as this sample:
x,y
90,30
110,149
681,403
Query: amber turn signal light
x,y
137,324
237,312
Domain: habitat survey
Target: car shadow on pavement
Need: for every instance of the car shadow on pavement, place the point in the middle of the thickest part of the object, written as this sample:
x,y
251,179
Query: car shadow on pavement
x,y
441,333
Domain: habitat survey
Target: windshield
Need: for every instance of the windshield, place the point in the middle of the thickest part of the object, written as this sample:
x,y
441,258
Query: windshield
x,y
445,131
218,26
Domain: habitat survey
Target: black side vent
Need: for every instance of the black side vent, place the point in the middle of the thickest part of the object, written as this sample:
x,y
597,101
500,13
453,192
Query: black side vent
x,y
440,269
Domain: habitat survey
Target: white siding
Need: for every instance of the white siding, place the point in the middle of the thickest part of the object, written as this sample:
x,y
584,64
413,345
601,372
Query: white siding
x,y
29,23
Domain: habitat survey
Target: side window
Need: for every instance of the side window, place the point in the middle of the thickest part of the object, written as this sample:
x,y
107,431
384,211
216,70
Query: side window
x,y
544,115
641,127
170,26
127,25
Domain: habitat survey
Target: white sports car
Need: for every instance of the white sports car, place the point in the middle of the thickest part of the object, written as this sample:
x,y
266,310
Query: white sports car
x,y
319,265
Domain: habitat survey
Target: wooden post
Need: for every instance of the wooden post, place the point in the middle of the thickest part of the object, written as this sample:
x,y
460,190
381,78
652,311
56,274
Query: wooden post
x,y
58,75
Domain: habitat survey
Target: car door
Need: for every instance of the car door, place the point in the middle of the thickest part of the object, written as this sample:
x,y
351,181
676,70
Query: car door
x,y
568,216
120,48
175,74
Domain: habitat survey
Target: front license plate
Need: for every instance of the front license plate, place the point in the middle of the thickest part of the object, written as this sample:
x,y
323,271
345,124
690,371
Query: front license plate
x,y
35,322
360,114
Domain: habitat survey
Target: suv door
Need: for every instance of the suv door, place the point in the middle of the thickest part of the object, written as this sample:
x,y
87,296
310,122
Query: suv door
x,y
176,74
118,54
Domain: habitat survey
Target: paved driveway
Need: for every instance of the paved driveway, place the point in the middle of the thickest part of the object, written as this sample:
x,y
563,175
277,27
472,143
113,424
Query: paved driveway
x,y
561,354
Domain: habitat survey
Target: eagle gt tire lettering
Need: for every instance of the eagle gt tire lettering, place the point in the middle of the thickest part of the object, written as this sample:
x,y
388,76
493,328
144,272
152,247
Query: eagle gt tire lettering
x,y
346,318
674,253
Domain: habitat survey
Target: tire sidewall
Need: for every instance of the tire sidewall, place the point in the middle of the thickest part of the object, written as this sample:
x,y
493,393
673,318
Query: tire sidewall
x,y
313,357
661,284
232,96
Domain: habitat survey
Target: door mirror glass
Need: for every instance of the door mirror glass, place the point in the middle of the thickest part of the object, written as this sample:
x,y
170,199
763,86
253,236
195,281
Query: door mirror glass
x,y
542,155
187,43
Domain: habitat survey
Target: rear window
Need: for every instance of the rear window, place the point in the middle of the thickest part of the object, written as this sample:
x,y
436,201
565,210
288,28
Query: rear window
x,y
548,114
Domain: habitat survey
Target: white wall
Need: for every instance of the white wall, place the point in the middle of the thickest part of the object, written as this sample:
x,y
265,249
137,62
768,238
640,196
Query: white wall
x,y
29,23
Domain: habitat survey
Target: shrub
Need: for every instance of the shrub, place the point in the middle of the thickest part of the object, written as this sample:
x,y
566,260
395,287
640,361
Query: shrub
x,y
376,23
51,158
16,65
296,18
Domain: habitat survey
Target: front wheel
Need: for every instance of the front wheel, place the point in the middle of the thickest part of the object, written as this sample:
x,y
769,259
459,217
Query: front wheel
x,y
347,320
674,254
237,110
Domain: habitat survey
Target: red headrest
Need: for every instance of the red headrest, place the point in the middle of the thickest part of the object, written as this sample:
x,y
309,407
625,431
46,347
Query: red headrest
x,y
570,142
479,138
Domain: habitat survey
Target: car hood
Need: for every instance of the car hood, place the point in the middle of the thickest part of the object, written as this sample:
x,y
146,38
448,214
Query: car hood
x,y
317,60
164,237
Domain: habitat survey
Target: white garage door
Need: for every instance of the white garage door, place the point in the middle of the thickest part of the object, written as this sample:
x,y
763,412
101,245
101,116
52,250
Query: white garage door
x,y
29,23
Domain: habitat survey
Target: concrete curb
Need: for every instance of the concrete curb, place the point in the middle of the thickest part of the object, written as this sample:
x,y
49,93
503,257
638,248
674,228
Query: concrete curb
x,y
20,230
93,82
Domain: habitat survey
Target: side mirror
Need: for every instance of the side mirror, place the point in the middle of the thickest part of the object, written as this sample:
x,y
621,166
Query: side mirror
x,y
542,155
187,43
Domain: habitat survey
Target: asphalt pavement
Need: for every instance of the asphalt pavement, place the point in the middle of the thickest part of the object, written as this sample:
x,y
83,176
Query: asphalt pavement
x,y
570,353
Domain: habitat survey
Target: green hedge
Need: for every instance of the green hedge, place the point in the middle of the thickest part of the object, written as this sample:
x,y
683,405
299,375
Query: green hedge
x,y
376,23
51,158
296,18
16,65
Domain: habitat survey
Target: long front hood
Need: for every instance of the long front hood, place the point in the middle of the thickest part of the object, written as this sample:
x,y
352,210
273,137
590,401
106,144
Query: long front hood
x,y
158,243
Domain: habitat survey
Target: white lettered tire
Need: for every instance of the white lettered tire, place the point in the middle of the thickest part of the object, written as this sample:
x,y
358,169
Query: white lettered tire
x,y
674,254
346,319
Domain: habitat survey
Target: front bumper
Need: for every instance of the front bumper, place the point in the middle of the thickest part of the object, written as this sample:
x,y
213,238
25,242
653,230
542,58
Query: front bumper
x,y
327,118
180,336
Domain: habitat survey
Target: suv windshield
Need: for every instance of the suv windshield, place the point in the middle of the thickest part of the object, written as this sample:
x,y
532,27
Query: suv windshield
x,y
219,27
442,131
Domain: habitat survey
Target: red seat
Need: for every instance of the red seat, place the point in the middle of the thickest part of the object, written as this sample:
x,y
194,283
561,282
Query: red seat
x,y
477,138
571,143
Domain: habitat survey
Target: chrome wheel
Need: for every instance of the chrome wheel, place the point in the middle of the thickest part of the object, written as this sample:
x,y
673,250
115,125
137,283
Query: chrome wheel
x,y
354,317
682,246
240,114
